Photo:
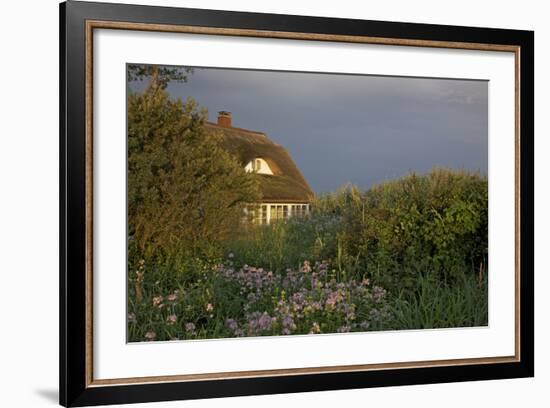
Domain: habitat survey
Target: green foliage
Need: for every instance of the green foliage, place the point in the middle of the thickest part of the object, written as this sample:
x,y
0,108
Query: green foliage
x,y
433,304
392,233
185,192
399,229
283,245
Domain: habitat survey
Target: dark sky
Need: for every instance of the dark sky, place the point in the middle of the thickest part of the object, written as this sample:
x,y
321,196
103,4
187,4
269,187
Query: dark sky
x,y
353,128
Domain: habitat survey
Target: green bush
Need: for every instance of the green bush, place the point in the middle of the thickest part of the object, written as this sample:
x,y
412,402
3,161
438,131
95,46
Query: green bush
x,y
433,304
185,191
433,223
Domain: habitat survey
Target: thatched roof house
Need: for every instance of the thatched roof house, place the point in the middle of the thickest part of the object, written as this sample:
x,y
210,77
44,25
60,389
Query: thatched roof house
x,y
285,192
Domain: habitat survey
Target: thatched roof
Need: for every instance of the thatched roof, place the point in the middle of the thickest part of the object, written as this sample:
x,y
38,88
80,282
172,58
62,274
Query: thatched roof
x,y
287,183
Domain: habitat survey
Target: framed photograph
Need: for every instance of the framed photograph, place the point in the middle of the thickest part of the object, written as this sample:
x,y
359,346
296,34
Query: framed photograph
x,y
256,204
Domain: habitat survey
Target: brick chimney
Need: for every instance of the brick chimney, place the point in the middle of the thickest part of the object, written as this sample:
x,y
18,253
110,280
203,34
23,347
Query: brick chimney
x,y
224,119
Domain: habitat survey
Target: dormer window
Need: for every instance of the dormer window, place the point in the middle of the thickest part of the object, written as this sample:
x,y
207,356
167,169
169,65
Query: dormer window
x,y
259,166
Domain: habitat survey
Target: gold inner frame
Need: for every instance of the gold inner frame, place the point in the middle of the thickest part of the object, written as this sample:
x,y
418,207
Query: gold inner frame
x,y
98,24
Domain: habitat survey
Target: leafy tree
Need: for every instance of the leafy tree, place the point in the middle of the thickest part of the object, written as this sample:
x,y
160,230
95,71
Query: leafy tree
x,y
158,76
185,192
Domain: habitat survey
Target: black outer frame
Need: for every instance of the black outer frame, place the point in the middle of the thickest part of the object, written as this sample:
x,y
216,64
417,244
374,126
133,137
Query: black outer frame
x,y
72,388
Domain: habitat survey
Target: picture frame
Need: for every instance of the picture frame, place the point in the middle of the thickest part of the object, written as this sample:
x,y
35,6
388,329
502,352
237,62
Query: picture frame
x,y
78,22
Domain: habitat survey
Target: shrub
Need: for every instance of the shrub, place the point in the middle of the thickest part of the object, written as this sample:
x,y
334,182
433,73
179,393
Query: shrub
x,y
185,191
399,229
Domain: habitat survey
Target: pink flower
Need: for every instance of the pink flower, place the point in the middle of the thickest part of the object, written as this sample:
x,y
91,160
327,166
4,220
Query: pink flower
x,y
150,336
209,307
171,319
172,297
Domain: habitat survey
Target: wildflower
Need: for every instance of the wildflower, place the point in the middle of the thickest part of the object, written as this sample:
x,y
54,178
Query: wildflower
x,y
306,267
157,301
315,328
150,336
364,325
332,299
264,322
260,322
231,324
190,328
378,293
171,319
231,255
288,322
343,329
209,307
375,314
349,310
132,318
172,297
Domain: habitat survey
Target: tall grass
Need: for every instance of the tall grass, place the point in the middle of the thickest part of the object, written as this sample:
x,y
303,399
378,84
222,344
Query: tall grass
x,y
283,245
435,305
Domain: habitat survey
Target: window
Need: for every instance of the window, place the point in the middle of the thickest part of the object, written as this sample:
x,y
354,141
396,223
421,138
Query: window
x,y
258,165
273,213
257,215
278,212
264,215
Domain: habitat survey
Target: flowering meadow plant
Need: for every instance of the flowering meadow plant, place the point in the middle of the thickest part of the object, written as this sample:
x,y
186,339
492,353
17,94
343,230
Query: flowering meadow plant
x,y
308,300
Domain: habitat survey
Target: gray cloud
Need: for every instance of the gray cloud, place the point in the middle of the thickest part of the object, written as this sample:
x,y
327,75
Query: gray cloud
x,y
353,128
